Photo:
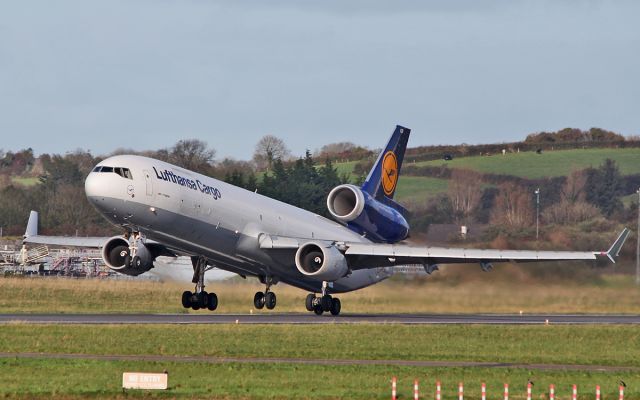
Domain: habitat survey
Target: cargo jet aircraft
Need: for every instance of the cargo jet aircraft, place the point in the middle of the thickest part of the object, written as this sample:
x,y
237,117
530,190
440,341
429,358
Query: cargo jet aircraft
x,y
165,210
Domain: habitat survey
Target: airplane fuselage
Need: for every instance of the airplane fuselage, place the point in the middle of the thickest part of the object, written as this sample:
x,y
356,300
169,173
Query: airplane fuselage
x,y
194,214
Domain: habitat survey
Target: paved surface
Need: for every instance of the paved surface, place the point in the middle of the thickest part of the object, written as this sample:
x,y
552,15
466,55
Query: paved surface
x,y
295,318
312,361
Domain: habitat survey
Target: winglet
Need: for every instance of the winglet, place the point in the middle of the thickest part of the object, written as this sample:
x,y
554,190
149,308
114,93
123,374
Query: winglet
x,y
32,225
614,250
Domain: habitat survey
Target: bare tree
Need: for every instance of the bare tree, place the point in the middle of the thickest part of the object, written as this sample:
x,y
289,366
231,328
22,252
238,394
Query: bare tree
x,y
332,149
192,154
465,192
572,207
268,149
513,206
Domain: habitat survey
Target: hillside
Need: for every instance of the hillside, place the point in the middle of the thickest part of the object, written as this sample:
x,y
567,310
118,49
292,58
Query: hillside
x,y
527,165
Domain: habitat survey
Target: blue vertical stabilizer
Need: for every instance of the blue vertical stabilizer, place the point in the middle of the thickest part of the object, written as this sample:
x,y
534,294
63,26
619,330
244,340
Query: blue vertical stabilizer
x,y
383,178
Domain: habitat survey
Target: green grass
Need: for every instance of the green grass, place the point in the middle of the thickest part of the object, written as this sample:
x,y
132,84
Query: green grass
x,y
25,181
548,164
562,344
75,379
96,379
419,188
344,168
82,378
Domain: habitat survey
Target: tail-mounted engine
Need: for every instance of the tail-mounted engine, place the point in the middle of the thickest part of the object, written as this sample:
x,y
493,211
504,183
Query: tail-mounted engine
x,y
117,254
321,261
359,211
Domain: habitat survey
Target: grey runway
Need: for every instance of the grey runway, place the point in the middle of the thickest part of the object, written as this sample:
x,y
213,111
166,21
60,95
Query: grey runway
x,y
312,319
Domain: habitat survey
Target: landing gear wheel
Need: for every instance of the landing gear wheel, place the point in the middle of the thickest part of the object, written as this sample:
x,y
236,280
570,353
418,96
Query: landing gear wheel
x,y
318,309
335,306
270,300
136,262
325,302
212,301
186,299
203,299
308,302
258,300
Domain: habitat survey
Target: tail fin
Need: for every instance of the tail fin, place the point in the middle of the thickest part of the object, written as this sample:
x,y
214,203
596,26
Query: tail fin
x,y
32,225
382,180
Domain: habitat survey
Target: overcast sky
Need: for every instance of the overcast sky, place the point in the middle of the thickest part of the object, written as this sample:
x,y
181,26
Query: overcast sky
x,y
102,75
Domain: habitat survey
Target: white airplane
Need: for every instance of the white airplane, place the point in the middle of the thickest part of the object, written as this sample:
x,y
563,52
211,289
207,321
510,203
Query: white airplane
x,y
165,210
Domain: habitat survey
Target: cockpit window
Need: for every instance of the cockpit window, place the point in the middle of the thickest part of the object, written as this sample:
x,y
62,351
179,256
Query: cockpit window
x,y
123,172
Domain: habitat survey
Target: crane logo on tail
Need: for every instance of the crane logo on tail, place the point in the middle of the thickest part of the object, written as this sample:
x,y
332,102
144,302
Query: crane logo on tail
x,y
389,173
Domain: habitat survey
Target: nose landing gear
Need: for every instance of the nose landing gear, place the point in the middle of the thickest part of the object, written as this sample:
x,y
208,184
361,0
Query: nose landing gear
x,y
199,298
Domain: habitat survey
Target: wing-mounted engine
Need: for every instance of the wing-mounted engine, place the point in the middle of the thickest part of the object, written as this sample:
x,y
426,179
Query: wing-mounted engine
x,y
362,213
321,261
129,258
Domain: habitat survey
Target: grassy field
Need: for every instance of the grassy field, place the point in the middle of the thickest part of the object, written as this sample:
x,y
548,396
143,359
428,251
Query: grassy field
x,y
454,289
419,188
562,344
508,289
28,378
550,163
67,379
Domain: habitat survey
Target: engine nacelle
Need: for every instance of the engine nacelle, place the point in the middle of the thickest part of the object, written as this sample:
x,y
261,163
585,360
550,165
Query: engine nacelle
x,y
364,214
321,261
116,253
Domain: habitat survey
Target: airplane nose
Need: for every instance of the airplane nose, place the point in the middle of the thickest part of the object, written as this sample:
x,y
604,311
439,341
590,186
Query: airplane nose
x,y
92,186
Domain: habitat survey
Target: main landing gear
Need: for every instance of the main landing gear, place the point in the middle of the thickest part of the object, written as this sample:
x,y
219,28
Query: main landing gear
x,y
266,298
200,298
324,303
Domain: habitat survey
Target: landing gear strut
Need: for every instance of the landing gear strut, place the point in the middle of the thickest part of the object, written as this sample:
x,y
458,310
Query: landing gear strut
x,y
268,298
199,298
324,303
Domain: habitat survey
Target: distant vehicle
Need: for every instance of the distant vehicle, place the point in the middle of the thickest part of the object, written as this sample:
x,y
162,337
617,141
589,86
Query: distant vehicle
x,y
448,157
165,210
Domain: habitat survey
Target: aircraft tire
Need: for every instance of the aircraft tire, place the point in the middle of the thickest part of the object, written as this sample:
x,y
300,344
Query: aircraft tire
x,y
318,309
186,299
308,302
204,299
258,300
335,306
325,301
212,301
270,300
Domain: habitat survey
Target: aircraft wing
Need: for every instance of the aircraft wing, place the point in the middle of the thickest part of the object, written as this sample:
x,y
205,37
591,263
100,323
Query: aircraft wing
x,y
67,241
374,255
31,237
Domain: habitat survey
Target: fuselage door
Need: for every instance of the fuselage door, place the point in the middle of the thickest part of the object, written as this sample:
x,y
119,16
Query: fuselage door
x,y
149,182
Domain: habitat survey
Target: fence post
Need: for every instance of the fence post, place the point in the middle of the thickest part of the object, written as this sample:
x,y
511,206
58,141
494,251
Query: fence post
x,y
621,392
597,392
438,388
506,391
574,393
394,385
552,392
461,391
528,390
484,391
416,394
